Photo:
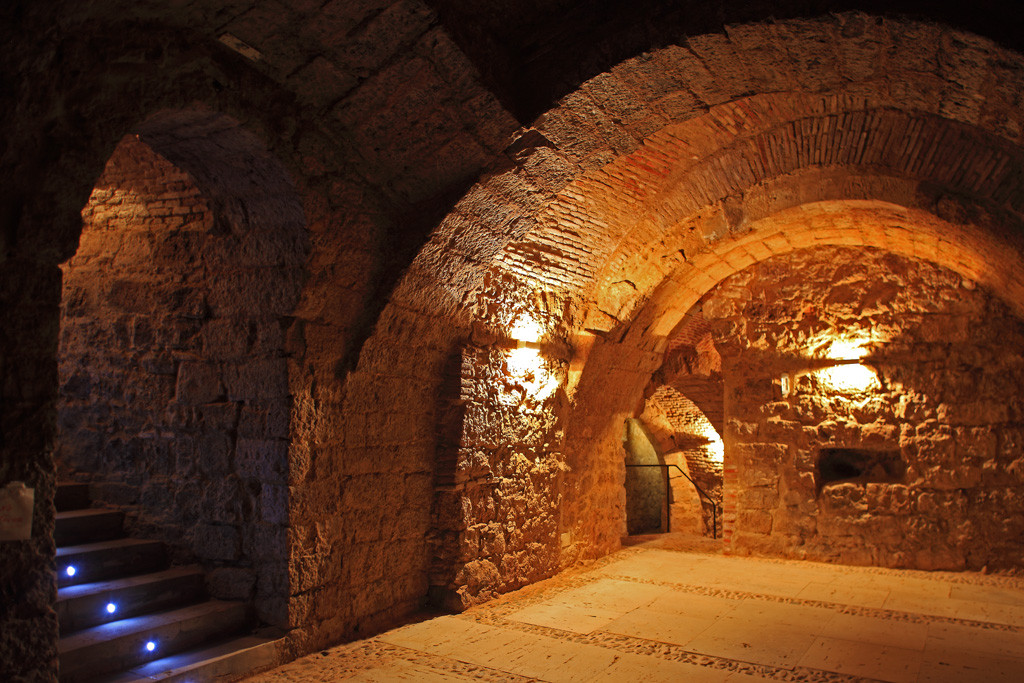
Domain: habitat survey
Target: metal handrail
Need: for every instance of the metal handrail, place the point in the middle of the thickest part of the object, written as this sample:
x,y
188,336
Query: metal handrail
x,y
668,495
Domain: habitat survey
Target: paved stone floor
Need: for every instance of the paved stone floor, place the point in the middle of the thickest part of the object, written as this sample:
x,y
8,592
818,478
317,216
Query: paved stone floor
x,y
651,614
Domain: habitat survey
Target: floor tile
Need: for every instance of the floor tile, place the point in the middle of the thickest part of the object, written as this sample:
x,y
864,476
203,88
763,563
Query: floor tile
x,y
842,594
920,604
1011,614
877,631
756,642
613,595
960,667
687,604
656,626
565,617
992,594
975,640
557,661
808,618
881,662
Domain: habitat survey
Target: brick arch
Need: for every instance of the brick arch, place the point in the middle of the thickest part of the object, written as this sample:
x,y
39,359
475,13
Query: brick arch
x,y
177,91
583,230
630,197
973,251
632,353
617,233
687,133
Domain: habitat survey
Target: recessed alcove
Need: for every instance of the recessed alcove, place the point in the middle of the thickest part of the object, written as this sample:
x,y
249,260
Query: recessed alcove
x,y
859,466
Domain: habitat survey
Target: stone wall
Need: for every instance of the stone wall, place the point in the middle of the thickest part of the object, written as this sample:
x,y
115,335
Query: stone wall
x,y
623,187
174,384
941,398
29,291
500,481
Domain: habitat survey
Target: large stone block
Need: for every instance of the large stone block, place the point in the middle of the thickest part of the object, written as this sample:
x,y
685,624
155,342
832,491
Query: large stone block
x,y
263,459
198,383
256,380
754,521
231,583
217,542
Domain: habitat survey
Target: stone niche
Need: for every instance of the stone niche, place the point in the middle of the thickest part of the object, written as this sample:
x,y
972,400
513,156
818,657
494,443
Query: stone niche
x,y
174,388
874,412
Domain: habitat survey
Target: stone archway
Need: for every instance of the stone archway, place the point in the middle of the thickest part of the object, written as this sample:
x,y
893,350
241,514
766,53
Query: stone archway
x,y
175,398
655,181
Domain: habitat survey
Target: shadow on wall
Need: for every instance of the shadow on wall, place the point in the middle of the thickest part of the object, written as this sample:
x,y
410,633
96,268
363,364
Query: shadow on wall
x,y
173,372
647,504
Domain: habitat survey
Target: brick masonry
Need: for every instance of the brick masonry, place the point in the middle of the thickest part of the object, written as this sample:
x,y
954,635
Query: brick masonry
x,y
428,218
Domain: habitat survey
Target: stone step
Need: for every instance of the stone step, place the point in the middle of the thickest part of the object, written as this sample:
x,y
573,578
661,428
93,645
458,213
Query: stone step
x,y
224,662
75,527
86,605
71,496
122,645
108,560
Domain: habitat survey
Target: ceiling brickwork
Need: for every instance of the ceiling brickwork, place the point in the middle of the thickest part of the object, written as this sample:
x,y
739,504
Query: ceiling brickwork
x,y
670,155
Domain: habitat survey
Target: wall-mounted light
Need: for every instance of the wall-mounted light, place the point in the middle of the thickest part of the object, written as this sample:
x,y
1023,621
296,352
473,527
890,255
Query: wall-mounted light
x,y
839,367
847,374
849,377
111,607
150,646
526,363
70,570
526,331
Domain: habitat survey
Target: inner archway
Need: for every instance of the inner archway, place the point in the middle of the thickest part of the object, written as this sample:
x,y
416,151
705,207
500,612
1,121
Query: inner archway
x,y
175,404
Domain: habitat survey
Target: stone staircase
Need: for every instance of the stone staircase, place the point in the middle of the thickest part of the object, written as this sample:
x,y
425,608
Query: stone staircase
x,y
126,616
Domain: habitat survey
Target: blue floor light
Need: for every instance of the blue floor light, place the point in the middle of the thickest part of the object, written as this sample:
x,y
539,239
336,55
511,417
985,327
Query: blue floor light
x,y
111,608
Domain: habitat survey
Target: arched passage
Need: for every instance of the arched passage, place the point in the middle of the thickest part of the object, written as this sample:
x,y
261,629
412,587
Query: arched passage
x,y
660,178
611,170
60,142
175,399
633,352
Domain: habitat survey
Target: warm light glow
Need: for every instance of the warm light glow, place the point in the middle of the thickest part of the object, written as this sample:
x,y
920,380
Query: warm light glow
x,y
70,571
845,345
847,349
522,362
715,445
846,377
849,378
526,366
526,330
